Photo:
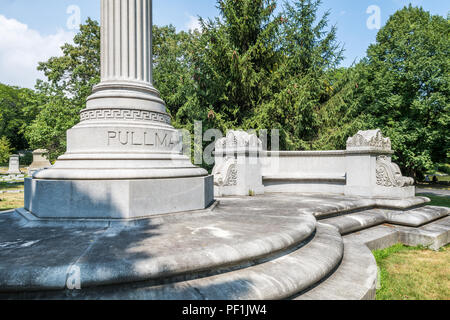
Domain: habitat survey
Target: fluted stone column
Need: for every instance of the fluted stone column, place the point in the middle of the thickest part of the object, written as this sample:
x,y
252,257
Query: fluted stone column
x,y
126,55
124,158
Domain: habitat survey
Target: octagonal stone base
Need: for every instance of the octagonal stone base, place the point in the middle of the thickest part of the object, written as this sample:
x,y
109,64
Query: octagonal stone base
x,y
116,199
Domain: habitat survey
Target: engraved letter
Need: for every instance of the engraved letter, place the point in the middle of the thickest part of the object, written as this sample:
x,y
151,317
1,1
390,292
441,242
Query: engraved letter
x,y
111,135
162,143
133,142
121,140
145,140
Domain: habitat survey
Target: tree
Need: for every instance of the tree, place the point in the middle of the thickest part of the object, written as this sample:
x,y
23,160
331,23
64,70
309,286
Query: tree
x,y
255,69
309,51
403,88
172,74
5,150
232,61
18,107
408,86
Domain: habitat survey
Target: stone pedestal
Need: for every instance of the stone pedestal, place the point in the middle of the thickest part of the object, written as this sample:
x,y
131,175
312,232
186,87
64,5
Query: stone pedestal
x,y
124,159
370,170
237,171
40,161
14,165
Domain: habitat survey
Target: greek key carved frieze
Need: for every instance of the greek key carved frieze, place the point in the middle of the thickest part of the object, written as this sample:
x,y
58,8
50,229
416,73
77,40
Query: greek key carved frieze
x,y
124,114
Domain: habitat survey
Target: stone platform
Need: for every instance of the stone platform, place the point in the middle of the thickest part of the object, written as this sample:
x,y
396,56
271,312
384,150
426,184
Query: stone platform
x,y
273,246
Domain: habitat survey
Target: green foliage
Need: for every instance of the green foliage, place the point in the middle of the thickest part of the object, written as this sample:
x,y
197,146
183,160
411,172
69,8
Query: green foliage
x,y
445,168
5,150
172,73
48,130
18,107
403,88
26,159
233,60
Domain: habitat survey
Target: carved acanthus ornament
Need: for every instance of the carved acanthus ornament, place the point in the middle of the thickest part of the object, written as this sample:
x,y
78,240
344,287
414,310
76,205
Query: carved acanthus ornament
x,y
225,174
390,175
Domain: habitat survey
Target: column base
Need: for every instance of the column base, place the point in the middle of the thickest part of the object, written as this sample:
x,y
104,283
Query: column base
x,y
116,199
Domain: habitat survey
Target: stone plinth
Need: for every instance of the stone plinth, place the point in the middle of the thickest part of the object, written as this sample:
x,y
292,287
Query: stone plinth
x,y
40,161
14,165
238,168
124,159
370,170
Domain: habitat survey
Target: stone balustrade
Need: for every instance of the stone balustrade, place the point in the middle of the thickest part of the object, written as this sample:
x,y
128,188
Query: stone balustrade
x,y
364,169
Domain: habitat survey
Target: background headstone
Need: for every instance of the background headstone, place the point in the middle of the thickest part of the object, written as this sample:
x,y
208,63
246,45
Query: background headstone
x,y
14,165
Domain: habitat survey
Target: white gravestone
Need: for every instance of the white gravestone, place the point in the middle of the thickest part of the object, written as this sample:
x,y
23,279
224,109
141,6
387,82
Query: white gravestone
x,y
124,159
14,165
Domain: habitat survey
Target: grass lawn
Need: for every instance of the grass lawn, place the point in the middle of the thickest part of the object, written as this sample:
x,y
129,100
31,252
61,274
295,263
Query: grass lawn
x,y
437,200
9,201
11,186
444,178
417,273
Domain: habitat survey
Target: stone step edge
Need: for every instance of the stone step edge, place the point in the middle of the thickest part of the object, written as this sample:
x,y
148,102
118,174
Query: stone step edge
x,y
369,204
411,218
384,236
355,279
280,278
355,222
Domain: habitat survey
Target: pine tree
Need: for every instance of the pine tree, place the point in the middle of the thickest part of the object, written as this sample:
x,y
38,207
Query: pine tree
x,y
233,61
300,83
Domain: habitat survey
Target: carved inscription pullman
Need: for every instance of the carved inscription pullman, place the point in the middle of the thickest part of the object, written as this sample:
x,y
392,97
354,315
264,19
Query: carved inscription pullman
x,y
147,138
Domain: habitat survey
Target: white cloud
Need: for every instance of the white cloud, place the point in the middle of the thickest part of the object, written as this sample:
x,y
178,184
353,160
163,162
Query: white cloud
x,y
193,23
22,48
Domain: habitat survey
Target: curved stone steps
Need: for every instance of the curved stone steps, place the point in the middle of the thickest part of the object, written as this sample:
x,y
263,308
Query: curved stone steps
x,y
416,217
353,222
279,278
42,257
356,221
355,279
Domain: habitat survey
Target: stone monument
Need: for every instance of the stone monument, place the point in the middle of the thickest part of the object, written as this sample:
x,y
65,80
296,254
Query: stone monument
x,y
237,168
14,165
40,161
371,172
124,159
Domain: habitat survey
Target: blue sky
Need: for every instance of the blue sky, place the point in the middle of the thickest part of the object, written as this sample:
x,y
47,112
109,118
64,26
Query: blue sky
x,y
32,31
